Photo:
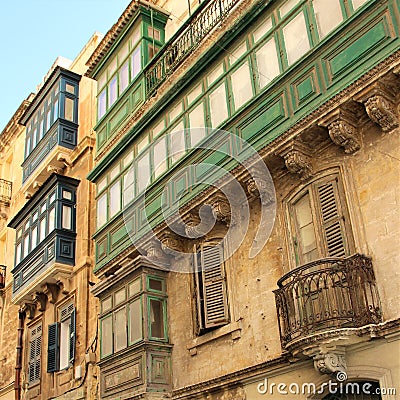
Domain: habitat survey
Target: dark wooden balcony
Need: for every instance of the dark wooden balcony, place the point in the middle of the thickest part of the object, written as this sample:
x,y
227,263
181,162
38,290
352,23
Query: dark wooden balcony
x,y
327,294
5,191
207,17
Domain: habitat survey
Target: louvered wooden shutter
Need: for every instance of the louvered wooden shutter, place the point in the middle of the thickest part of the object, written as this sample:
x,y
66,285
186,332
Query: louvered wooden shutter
x,y
72,337
332,218
35,346
53,347
214,287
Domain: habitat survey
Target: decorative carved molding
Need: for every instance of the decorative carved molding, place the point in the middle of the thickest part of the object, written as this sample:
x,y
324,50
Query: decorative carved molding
x,y
220,207
40,299
154,252
54,169
297,158
51,291
329,359
193,224
29,309
260,188
64,284
342,128
170,243
382,112
37,185
65,159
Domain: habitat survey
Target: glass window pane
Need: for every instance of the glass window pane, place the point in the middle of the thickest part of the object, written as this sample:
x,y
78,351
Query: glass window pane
x,y
120,296
115,198
18,254
106,336
288,6
66,194
241,85
123,52
358,3
124,77
136,63
129,186
55,110
69,109
267,63
26,245
106,304
143,172
52,197
303,211
215,74
175,111
48,120
114,172
177,143
197,124
296,38
127,160
112,91
142,144
134,287
34,237
120,336
66,217
160,157
112,67
101,104
52,219
43,208
135,321
156,319
218,105
156,284
70,88
101,185
194,94
237,53
102,210
262,29
328,15
42,231
158,128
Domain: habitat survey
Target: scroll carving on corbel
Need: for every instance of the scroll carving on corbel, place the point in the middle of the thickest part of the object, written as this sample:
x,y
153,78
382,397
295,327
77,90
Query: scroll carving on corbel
x,y
171,244
379,104
342,130
297,159
196,226
54,169
220,208
155,253
329,360
40,299
51,291
65,159
29,309
259,187
64,284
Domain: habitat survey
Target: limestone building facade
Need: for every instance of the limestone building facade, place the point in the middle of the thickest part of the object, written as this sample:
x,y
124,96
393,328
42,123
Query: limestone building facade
x,y
48,317
247,201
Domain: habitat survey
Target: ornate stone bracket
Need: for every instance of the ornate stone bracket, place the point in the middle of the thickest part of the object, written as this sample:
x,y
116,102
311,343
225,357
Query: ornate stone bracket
x,y
380,106
193,226
342,130
29,309
328,359
40,299
170,243
258,186
220,207
155,253
54,169
297,158
64,284
65,159
51,291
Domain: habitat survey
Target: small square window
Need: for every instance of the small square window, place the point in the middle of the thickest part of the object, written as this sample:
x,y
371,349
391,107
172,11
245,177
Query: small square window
x,y
66,194
106,304
52,197
120,296
215,74
142,144
70,88
114,172
43,208
156,284
134,287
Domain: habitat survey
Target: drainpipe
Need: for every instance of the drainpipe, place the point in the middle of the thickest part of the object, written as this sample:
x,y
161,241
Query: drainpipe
x,y
18,362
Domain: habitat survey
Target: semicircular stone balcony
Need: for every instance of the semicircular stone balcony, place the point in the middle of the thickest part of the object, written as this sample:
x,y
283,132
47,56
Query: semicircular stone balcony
x,y
324,296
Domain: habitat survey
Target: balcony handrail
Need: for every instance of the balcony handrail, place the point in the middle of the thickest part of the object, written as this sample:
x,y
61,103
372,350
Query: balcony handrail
x,y
203,21
5,190
326,294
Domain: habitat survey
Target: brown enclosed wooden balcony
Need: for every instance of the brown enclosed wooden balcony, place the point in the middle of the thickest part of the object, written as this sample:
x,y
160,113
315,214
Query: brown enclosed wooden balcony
x,y
325,295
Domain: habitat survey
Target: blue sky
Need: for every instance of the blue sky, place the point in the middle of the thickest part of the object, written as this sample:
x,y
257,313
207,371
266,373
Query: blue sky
x,y
35,32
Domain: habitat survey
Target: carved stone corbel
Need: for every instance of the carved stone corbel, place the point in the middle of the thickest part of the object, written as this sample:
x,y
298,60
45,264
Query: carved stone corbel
x,y
342,130
171,244
259,187
65,159
220,208
329,360
51,291
40,299
195,227
297,158
29,309
53,169
379,103
37,185
155,253
64,284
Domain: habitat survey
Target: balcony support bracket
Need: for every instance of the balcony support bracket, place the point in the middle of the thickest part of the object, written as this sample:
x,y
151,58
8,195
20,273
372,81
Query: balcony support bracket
x,y
329,360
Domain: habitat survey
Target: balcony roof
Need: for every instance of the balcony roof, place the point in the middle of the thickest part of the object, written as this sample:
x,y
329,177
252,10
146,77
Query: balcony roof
x,y
111,36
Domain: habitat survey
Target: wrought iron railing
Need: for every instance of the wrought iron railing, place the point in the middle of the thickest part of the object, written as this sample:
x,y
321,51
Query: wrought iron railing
x,y
5,191
327,294
206,18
